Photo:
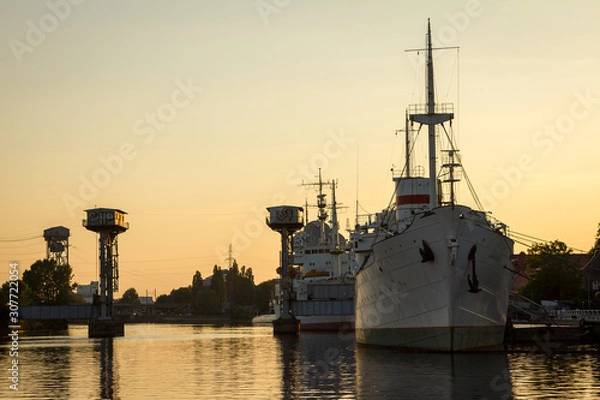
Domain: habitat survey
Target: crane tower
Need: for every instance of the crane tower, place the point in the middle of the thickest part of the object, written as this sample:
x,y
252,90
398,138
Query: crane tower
x,y
108,223
57,244
286,220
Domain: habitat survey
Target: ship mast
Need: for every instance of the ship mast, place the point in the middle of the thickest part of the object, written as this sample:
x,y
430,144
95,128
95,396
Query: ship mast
x,y
431,116
433,191
408,144
335,246
321,204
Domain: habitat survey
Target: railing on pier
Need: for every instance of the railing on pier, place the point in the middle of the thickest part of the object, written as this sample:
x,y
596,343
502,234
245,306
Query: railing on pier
x,y
586,315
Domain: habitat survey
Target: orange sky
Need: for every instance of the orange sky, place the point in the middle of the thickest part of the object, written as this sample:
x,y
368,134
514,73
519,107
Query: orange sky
x,y
194,116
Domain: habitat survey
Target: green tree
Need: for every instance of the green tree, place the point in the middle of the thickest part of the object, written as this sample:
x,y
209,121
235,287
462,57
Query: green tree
x,y
130,296
206,302
163,299
217,284
240,285
197,286
553,272
50,284
197,282
24,298
183,295
263,294
245,287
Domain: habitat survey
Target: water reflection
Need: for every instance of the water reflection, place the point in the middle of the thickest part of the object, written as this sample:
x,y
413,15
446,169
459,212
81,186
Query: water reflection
x,y
564,372
289,361
104,350
184,362
382,373
317,365
52,366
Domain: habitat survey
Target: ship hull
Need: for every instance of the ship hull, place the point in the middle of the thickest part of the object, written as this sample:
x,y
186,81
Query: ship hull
x,y
440,285
323,305
327,323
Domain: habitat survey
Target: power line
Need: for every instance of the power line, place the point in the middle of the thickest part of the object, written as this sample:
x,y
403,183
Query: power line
x,y
163,260
20,240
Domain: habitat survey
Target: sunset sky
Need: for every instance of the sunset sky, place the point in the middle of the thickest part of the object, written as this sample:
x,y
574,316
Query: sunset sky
x,y
194,116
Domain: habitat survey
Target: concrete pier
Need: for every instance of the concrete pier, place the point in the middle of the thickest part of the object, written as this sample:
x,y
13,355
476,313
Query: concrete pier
x,y
286,326
105,329
579,332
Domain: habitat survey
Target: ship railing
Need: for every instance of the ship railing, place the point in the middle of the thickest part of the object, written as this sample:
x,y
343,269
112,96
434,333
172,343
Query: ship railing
x,y
368,220
498,225
87,224
415,172
439,108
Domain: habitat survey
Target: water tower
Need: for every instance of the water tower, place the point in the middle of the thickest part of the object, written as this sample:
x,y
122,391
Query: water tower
x,y
286,220
57,244
108,223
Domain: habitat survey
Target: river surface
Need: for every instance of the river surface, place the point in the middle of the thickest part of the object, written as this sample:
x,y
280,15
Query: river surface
x,y
154,361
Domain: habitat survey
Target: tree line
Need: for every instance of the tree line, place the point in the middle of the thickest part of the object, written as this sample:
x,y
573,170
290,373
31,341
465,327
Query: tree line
x,y
554,273
45,283
229,292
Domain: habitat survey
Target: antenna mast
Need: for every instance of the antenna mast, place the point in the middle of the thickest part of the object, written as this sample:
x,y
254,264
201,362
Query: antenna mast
x,y
431,116
408,143
433,199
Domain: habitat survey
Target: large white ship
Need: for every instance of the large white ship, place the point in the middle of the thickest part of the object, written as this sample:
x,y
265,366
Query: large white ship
x,y
431,272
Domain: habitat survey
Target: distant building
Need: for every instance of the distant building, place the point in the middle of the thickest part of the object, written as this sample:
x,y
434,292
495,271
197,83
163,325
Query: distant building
x,y
88,291
206,281
518,261
146,300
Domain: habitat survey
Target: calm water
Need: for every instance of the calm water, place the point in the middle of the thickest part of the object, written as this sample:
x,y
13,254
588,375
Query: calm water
x,y
204,362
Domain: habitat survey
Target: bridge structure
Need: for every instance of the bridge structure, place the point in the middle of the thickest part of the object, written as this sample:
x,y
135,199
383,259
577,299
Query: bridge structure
x,y
70,312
